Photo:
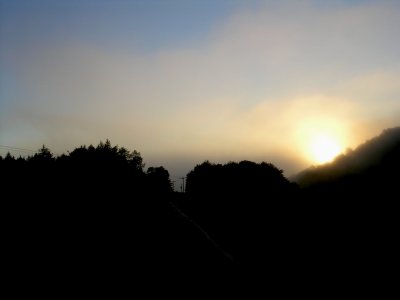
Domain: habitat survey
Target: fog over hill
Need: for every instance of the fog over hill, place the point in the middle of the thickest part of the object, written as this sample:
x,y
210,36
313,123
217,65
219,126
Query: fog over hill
x,y
377,159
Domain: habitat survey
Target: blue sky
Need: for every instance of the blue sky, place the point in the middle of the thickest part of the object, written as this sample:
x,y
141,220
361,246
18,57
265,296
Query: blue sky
x,y
184,81
146,25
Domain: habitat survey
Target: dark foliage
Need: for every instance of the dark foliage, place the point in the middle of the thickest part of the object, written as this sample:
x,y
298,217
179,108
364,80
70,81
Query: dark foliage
x,y
241,179
95,212
239,204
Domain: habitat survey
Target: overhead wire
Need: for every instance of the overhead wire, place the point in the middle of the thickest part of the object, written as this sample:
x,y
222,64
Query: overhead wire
x,y
16,149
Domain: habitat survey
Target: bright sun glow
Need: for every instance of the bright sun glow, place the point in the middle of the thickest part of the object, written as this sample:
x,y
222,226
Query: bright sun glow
x,y
321,138
324,148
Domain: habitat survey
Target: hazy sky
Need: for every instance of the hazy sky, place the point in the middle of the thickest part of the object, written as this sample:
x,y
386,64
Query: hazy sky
x,y
183,81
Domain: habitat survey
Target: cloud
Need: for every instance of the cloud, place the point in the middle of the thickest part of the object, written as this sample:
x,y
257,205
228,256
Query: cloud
x,y
240,93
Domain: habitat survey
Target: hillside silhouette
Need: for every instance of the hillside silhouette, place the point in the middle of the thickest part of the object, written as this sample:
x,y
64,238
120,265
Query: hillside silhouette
x,y
96,211
351,204
369,170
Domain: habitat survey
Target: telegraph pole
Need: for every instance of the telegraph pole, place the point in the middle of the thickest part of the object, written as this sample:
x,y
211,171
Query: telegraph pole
x,y
173,185
183,184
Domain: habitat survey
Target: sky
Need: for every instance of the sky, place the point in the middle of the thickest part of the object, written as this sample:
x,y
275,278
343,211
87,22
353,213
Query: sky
x,y
184,81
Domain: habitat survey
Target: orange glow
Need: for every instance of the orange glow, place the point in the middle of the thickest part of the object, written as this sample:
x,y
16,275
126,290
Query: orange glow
x,y
324,148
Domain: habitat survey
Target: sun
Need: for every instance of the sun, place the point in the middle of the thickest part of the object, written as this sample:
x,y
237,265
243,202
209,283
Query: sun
x,y
320,139
324,148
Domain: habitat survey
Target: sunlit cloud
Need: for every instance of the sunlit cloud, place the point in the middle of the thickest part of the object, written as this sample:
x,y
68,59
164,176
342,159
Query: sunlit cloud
x,y
254,88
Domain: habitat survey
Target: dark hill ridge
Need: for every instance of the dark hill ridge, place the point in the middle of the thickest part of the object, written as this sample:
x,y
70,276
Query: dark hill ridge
x,y
376,161
348,210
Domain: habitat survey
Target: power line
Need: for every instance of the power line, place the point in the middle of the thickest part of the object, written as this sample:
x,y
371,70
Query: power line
x,y
16,148
205,234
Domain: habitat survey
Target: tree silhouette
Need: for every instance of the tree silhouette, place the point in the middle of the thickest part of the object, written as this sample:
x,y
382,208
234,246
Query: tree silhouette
x,y
158,180
237,202
96,203
243,178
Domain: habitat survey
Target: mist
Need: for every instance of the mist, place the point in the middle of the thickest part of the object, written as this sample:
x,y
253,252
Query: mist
x,y
245,89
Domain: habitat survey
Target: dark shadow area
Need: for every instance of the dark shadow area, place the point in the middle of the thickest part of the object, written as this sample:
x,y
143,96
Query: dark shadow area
x,y
97,213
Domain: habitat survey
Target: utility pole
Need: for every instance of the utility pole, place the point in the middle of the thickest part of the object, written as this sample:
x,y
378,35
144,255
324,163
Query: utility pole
x,y
173,185
183,184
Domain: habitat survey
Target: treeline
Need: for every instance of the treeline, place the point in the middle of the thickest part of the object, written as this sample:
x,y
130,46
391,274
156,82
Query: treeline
x,y
97,213
95,171
98,210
